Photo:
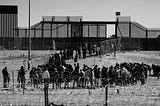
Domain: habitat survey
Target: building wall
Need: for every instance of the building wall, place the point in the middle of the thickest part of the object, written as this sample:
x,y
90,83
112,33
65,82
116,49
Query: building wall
x,y
123,29
135,36
153,33
137,30
60,31
8,22
42,35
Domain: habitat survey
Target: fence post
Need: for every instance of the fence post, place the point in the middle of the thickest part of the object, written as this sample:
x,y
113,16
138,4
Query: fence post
x,y
23,87
46,93
13,80
106,91
130,35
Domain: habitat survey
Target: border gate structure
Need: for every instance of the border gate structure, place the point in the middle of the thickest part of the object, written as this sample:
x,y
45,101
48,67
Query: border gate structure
x,y
72,32
69,32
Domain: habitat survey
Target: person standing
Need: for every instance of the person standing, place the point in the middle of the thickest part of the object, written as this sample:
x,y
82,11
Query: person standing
x,y
76,57
84,51
46,77
6,77
21,77
24,64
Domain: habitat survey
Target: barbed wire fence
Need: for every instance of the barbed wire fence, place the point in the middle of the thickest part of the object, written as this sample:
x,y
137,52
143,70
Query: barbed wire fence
x,y
91,97
14,95
96,97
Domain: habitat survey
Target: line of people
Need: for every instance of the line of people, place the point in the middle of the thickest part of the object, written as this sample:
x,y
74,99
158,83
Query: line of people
x,y
59,73
121,74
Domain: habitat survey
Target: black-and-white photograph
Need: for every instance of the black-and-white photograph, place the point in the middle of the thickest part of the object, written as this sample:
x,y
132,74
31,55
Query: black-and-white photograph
x,y
79,53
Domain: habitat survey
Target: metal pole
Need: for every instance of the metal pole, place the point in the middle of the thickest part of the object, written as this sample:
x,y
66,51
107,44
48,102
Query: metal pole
x,y
105,32
97,34
146,39
130,35
42,34
116,26
67,46
13,80
46,92
23,87
116,35
51,28
29,40
94,60
88,34
106,89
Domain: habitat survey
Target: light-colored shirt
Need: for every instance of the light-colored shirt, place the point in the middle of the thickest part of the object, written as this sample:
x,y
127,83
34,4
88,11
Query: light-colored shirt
x,y
45,75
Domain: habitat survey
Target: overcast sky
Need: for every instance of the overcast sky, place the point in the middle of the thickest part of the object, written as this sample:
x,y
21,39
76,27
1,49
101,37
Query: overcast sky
x,y
145,12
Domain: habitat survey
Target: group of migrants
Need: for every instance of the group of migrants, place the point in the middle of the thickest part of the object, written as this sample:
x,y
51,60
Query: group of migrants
x,y
61,74
156,70
82,52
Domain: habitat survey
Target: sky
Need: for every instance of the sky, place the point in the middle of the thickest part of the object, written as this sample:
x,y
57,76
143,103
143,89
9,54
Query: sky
x,y
145,12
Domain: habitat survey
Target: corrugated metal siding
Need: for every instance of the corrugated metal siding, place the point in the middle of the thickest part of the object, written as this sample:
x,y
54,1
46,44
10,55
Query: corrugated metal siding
x,y
8,23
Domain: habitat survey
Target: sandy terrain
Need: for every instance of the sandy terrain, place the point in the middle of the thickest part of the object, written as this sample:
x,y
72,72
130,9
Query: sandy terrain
x,y
137,95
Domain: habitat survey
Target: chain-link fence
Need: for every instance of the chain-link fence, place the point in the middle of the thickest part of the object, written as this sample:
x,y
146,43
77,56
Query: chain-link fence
x,y
110,46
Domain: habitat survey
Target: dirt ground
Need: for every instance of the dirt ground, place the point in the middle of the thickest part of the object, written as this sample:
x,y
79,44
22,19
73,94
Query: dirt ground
x,y
137,95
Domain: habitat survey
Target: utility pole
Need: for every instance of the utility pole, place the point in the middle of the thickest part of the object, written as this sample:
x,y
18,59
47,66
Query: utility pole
x,y
117,21
116,34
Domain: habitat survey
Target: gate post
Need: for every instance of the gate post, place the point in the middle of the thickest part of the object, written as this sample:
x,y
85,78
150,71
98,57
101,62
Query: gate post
x,y
46,77
46,93
106,94
13,80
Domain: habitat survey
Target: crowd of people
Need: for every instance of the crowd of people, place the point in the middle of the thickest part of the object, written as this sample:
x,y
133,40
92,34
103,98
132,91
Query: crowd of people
x,y
82,52
61,74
